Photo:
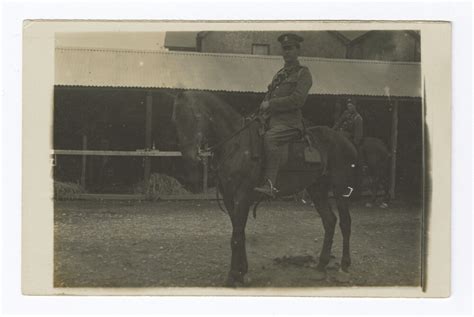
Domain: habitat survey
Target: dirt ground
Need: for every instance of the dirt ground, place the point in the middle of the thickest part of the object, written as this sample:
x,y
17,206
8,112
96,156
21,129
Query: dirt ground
x,y
187,243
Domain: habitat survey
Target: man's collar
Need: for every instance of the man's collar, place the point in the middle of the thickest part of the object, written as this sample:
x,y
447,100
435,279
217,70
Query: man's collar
x,y
292,64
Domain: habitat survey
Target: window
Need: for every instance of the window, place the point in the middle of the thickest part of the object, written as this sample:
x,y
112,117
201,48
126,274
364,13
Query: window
x,y
260,49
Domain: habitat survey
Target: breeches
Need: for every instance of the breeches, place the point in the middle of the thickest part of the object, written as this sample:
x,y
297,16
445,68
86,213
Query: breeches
x,y
279,135
274,138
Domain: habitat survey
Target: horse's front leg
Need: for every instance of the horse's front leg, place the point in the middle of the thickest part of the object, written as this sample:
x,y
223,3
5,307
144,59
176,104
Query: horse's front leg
x,y
239,265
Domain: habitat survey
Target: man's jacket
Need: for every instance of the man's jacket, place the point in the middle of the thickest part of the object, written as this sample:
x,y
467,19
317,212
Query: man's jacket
x,y
351,124
287,94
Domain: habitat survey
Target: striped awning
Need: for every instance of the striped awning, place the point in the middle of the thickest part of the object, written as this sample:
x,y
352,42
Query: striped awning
x,y
229,72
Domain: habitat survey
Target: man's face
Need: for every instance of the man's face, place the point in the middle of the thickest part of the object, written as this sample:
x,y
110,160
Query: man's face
x,y
351,107
290,53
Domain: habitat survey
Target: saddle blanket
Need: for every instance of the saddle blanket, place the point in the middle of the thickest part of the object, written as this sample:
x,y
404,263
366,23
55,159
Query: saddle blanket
x,y
301,156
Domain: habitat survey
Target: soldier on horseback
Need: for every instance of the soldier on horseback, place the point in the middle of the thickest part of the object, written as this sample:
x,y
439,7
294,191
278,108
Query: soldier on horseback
x,y
350,123
282,106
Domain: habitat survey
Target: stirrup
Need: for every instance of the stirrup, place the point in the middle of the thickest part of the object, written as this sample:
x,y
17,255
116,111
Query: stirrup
x,y
263,190
350,192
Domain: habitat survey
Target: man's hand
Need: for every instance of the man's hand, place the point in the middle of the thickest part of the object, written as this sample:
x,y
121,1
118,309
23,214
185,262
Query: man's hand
x,y
264,105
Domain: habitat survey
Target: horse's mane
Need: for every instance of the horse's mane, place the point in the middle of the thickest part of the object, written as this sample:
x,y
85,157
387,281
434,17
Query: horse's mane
x,y
209,105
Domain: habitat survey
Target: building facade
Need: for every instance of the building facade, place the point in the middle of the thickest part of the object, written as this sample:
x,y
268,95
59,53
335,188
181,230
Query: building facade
x,y
370,45
395,46
316,44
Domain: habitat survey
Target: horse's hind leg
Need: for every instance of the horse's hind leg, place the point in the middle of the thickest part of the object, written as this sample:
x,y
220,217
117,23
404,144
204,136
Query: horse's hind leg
x,y
374,188
319,195
345,225
386,189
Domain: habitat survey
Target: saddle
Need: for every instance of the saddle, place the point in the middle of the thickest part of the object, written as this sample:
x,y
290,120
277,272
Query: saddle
x,y
303,153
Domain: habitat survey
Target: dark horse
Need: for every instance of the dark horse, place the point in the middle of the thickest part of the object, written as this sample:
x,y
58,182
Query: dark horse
x,y
375,158
203,118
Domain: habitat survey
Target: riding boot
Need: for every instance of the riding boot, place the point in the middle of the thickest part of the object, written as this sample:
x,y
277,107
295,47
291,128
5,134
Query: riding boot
x,y
272,163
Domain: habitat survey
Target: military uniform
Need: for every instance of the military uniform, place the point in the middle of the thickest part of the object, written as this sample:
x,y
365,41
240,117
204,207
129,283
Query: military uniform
x,y
286,96
350,123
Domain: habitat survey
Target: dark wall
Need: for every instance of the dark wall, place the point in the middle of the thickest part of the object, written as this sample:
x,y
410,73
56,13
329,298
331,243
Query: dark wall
x,y
377,115
110,119
410,150
114,119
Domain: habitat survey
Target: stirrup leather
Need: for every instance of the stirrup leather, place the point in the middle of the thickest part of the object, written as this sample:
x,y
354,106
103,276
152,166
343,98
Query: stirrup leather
x,y
273,189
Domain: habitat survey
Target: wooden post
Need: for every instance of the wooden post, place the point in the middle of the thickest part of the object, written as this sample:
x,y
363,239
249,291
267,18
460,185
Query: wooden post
x,y
148,130
84,161
393,167
337,109
204,176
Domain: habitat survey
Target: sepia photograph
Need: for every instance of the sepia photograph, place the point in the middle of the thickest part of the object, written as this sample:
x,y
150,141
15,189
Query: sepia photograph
x,y
238,158
211,159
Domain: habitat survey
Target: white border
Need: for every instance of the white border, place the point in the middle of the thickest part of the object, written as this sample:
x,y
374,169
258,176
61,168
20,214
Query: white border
x,y
11,141
37,205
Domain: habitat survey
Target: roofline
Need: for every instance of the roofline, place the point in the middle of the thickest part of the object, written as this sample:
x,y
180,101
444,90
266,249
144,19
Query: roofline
x,y
340,37
361,37
233,55
412,33
202,34
61,86
182,48
348,41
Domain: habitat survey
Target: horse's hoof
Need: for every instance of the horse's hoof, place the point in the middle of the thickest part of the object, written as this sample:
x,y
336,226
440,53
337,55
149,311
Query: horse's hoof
x,y
383,205
342,277
333,264
319,275
368,205
234,284
233,281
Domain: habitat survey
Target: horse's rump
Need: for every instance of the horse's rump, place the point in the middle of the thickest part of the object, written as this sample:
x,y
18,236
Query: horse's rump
x,y
374,153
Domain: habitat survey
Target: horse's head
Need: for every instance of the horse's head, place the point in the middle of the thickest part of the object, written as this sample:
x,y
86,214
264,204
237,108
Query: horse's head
x,y
191,126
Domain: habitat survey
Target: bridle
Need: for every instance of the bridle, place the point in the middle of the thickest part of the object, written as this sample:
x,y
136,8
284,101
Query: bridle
x,y
212,149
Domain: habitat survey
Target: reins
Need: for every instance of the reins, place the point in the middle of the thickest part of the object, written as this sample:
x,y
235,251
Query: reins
x,y
245,126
